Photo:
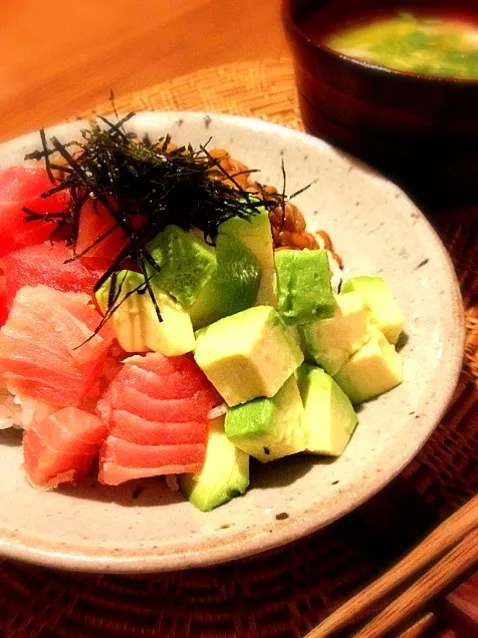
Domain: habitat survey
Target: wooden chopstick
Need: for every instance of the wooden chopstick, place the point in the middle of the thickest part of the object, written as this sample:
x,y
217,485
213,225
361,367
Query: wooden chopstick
x,y
446,536
457,562
421,627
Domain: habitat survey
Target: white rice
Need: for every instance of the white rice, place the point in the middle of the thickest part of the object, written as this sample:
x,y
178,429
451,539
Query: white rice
x,y
218,411
337,273
7,409
20,412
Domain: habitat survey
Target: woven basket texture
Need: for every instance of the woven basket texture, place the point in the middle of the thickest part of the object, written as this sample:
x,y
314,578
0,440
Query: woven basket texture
x,y
286,591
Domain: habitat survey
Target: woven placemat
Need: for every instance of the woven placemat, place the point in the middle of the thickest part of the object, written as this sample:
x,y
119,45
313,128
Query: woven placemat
x,y
284,592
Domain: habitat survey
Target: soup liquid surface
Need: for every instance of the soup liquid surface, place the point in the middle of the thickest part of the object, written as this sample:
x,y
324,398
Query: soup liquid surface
x,y
405,41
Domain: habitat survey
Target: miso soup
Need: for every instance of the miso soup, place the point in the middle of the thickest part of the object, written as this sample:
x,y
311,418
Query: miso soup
x,y
432,43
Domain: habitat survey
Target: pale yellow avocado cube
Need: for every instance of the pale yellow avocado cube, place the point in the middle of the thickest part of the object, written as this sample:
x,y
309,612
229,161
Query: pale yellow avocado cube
x,y
172,336
225,472
269,428
330,342
378,297
136,323
329,415
256,234
247,355
373,370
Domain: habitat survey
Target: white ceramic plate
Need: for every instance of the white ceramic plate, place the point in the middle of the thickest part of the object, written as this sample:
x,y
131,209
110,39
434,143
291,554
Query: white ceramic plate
x,y
144,527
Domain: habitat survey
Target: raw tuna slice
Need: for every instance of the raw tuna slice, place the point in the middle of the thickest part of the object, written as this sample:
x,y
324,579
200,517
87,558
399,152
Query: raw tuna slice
x,y
61,448
99,239
22,186
95,222
122,461
3,301
48,349
45,264
156,410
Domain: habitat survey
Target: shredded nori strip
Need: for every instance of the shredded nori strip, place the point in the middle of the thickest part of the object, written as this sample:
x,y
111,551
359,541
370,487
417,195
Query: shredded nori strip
x,y
140,178
283,198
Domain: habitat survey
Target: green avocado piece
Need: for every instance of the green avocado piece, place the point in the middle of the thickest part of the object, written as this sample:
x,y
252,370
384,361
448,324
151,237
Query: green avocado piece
x,y
303,283
372,370
255,233
135,321
382,304
330,342
186,263
269,428
232,288
247,355
224,475
329,415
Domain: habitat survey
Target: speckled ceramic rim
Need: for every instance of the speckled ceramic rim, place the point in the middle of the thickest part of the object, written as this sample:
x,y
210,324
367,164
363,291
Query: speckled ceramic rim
x,y
219,550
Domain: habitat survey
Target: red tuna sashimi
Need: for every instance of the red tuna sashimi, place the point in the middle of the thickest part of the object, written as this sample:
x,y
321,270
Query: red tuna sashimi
x,y
61,448
99,239
135,429
156,409
122,461
22,186
48,349
3,301
97,222
45,264
178,410
172,379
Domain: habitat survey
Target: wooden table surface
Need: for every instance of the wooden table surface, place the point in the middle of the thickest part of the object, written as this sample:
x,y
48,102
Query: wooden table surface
x,y
59,59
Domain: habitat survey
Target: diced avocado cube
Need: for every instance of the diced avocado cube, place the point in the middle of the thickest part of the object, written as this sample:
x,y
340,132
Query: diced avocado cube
x,y
135,321
269,428
303,284
373,370
255,233
247,355
330,342
232,288
382,304
329,415
186,263
224,475
294,332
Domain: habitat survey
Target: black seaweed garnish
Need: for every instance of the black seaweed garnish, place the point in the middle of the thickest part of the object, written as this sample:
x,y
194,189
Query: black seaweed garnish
x,y
141,178
283,198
